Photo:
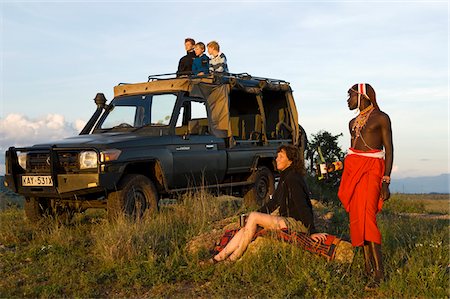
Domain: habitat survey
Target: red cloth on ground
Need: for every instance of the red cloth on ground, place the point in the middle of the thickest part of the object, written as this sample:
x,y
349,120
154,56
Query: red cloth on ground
x,y
326,248
359,193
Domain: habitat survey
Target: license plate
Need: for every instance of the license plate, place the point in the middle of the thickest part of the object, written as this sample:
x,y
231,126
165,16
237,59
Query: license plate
x,y
37,180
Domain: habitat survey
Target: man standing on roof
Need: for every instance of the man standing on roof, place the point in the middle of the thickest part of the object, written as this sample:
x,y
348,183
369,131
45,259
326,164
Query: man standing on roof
x,y
185,63
366,177
218,61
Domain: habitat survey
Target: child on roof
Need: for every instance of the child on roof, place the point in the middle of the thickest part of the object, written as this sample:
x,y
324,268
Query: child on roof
x,y
200,66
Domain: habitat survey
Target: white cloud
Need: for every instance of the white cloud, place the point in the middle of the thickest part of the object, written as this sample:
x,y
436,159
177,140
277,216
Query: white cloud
x,y
19,130
79,125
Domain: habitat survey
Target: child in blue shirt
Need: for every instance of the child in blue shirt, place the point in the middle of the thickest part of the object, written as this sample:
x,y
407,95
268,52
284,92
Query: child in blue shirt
x,y
200,66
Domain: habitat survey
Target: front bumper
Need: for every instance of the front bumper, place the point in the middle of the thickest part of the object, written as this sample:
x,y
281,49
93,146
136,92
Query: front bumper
x,y
65,185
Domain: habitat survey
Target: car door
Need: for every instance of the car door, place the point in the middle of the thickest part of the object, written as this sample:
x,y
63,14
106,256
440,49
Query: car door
x,y
199,158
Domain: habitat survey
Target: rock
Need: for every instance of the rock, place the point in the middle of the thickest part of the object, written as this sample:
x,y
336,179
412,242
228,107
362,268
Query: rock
x,y
263,242
322,219
207,241
204,241
344,252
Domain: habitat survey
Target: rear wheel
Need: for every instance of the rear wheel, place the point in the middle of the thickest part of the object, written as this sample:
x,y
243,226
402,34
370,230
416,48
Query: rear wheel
x,y
136,195
262,188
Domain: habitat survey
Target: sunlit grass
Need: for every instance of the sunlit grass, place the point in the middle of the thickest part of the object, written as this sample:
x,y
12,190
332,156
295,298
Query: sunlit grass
x,y
148,258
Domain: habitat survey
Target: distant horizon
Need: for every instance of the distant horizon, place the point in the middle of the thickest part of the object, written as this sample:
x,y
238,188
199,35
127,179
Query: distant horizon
x,y
439,184
424,176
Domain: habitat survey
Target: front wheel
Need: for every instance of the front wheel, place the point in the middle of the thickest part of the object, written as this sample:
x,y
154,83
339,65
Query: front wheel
x,y
261,189
135,196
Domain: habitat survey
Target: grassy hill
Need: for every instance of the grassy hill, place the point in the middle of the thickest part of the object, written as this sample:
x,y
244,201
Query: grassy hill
x,y
9,198
149,258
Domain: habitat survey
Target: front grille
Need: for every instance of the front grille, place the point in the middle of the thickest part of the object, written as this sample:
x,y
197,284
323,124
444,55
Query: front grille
x,y
39,162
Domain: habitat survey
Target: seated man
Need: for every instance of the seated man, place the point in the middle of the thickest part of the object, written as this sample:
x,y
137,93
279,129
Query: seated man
x,y
291,198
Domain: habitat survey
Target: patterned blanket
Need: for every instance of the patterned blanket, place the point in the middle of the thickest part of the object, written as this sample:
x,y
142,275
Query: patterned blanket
x,y
327,249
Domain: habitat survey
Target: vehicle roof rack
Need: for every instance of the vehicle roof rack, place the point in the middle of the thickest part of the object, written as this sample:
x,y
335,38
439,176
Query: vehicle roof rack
x,y
247,76
238,76
160,76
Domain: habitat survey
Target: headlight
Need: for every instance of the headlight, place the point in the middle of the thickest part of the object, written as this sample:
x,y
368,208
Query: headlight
x,y
22,157
88,160
109,155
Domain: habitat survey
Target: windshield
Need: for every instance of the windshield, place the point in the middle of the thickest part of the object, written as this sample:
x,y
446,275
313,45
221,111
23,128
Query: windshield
x,y
139,111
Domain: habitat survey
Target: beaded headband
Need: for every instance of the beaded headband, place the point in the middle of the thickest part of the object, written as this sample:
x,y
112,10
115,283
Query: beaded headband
x,y
362,91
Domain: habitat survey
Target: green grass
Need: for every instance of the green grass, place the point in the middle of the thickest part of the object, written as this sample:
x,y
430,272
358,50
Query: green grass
x,y
95,258
422,203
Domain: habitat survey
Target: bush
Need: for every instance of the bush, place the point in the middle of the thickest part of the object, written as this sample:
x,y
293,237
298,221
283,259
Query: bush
x,y
324,190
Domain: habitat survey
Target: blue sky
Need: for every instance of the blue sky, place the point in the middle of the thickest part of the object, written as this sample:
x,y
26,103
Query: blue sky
x,y
55,56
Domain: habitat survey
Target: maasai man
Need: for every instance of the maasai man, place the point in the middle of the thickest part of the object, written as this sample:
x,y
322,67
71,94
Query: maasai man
x,y
366,177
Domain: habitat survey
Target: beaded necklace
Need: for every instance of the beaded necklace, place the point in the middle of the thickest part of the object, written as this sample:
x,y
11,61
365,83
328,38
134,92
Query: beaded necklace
x,y
360,122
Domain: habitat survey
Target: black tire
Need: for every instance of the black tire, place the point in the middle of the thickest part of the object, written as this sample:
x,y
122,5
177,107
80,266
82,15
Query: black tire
x,y
261,189
136,195
37,209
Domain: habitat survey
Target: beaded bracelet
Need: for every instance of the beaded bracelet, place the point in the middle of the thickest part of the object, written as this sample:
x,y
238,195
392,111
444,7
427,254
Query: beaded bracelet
x,y
386,179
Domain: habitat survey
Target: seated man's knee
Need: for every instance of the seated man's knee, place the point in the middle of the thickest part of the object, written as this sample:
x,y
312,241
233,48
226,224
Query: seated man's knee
x,y
252,217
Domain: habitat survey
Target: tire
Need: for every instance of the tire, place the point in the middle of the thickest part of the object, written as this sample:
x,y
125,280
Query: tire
x,y
37,209
261,189
136,196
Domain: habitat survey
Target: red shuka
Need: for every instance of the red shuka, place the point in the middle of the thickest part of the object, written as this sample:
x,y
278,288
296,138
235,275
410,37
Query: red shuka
x,y
359,193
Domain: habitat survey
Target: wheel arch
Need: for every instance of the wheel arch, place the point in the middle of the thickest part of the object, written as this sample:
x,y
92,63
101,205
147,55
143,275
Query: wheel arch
x,y
152,169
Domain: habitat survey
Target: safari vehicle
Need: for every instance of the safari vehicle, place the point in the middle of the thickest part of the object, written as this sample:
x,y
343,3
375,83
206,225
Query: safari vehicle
x,y
160,137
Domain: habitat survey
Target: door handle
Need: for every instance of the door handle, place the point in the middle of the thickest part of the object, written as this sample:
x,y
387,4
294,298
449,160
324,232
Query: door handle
x,y
209,146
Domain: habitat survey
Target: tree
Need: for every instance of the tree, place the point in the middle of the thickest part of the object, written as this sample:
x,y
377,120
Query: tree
x,y
325,189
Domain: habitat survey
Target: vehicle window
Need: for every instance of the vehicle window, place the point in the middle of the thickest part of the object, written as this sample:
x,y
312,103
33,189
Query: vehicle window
x,y
192,119
277,115
245,116
198,110
180,117
162,107
123,116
